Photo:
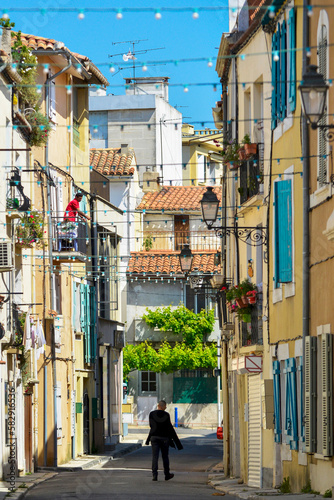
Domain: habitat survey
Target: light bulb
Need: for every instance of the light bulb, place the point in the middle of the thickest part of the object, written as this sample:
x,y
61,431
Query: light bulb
x,y
112,68
186,89
313,95
157,14
309,11
5,15
68,89
45,68
276,57
119,14
195,14
210,63
271,13
81,15
144,67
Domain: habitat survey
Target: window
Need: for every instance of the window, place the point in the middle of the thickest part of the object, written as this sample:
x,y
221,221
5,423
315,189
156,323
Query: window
x,y
195,301
108,289
283,231
323,69
148,382
283,70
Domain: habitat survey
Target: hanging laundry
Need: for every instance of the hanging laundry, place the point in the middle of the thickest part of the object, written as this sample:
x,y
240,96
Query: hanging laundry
x,y
40,339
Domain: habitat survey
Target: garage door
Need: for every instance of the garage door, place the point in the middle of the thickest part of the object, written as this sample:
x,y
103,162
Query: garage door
x,y
254,431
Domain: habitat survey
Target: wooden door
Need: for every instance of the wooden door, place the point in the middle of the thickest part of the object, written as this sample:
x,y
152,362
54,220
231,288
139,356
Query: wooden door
x,y
181,231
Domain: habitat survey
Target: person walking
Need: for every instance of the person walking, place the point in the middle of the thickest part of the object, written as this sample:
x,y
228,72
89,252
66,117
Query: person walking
x,y
161,435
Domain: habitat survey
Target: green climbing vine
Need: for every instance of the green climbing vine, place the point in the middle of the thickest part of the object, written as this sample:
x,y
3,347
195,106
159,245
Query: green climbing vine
x,y
191,353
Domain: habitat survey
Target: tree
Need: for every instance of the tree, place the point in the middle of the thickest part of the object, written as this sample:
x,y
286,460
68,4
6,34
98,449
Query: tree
x,y
192,353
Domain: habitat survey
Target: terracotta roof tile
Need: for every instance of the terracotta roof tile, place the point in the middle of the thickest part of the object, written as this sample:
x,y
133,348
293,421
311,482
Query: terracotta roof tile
x,y
175,198
168,263
110,161
39,42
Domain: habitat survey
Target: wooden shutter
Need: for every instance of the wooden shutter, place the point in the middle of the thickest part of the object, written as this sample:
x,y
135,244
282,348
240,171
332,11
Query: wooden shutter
x,y
322,143
310,393
292,58
277,401
291,422
74,304
278,69
273,83
93,322
282,78
326,393
283,231
87,325
82,308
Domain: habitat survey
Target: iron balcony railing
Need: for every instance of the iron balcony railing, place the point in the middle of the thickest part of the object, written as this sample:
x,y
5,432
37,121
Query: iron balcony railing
x,y
252,333
69,236
175,240
250,179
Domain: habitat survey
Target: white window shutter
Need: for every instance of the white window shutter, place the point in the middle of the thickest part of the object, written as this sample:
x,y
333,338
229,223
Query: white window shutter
x,y
59,419
326,393
310,393
60,204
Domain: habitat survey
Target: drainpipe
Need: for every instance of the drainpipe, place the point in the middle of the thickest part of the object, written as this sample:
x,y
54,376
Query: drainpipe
x,y
47,93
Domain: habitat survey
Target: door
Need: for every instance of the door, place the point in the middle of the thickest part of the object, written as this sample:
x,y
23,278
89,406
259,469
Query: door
x,y
254,431
181,230
86,423
28,432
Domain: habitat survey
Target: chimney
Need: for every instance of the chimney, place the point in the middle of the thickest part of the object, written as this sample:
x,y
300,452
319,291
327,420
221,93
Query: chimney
x,y
151,182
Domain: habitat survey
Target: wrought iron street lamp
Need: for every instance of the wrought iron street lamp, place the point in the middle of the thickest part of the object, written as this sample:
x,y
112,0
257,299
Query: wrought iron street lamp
x,y
313,93
186,259
256,236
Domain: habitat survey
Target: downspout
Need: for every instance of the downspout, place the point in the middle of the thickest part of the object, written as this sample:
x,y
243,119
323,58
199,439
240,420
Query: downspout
x,y
47,93
93,239
224,350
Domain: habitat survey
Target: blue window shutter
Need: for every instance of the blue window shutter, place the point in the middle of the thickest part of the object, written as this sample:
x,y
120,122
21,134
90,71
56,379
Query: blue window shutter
x,y
292,55
283,59
278,70
283,231
277,401
291,422
273,83
301,416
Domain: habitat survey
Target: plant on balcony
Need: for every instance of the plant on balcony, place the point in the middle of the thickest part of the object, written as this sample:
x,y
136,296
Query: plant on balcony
x,y
40,128
250,147
251,296
30,230
230,154
148,243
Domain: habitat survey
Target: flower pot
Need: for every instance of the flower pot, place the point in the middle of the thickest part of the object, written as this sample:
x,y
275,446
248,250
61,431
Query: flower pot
x,y
251,300
241,303
246,318
251,149
251,297
245,300
242,154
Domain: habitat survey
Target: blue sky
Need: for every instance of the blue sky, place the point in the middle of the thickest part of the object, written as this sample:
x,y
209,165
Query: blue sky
x,y
182,36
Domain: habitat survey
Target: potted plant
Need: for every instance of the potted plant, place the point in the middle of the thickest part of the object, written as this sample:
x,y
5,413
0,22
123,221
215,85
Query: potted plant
x,y
250,147
251,297
242,153
30,230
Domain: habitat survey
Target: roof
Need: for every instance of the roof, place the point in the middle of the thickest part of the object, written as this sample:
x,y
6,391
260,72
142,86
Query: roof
x,y
41,43
175,198
111,161
168,263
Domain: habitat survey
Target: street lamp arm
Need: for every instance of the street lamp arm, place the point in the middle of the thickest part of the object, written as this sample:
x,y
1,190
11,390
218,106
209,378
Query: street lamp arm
x,y
252,235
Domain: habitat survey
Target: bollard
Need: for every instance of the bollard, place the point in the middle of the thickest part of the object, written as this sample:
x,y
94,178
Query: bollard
x,y
175,417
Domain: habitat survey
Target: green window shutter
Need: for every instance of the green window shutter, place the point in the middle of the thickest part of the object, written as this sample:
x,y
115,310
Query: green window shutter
x,y
301,421
283,59
273,84
277,401
283,231
327,393
292,56
310,394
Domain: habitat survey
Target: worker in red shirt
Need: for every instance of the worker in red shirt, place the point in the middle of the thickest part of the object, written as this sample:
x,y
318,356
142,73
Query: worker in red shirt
x,y
68,232
72,209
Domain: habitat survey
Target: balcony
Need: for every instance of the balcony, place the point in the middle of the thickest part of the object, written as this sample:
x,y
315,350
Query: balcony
x,y
175,240
69,238
251,179
252,333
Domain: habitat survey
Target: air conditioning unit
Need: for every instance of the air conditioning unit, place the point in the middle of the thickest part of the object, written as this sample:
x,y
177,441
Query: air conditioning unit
x,y
119,339
6,256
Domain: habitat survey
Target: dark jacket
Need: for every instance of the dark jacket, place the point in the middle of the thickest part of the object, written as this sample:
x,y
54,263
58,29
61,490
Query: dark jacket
x,y
161,426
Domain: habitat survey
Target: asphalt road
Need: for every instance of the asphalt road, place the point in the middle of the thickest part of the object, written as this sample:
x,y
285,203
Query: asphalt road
x,y
130,477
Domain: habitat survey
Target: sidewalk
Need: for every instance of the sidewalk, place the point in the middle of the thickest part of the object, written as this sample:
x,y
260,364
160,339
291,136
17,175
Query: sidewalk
x,y
232,487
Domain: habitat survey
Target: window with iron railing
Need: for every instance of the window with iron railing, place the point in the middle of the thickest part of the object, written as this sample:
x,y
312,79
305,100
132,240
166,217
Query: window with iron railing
x,y
250,179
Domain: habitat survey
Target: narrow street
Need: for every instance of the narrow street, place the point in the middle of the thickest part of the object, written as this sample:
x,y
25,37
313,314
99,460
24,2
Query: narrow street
x,y
130,477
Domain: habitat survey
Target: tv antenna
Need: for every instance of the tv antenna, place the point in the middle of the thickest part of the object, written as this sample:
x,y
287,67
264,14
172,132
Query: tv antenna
x,y
131,55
